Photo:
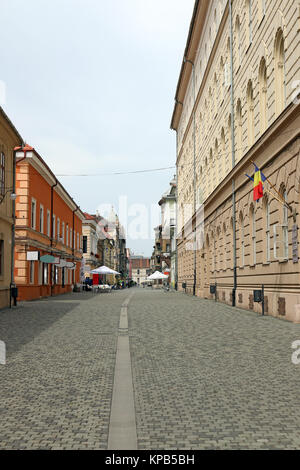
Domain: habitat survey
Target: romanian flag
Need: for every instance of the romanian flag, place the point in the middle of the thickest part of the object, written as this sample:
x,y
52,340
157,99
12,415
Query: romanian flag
x,y
259,178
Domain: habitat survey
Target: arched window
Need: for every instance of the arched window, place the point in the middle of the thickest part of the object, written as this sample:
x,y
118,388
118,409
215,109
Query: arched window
x,y
267,251
253,235
263,86
223,155
279,72
285,228
242,240
239,144
222,77
229,157
250,105
238,42
249,21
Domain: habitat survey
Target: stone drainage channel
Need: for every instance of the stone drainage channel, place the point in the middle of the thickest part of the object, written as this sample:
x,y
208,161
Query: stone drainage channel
x,y
122,427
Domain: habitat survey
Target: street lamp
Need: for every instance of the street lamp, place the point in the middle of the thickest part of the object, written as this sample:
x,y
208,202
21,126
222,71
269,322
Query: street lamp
x,y
13,195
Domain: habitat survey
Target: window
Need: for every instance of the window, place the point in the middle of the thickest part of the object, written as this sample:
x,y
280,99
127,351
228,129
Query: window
x,y
45,273
238,42
242,241
253,235
63,232
1,257
268,245
263,94
77,241
250,104
41,219
249,21
2,174
279,72
33,213
67,235
84,244
53,226
285,229
48,223
71,241
239,149
31,272
58,227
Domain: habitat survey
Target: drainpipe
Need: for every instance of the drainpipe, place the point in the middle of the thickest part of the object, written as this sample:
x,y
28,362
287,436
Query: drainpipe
x,y
51,233
194,171
176,218
73,240
233,158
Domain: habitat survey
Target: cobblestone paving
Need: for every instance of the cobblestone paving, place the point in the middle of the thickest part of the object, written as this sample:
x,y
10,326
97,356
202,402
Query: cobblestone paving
x,y
56,388
207,376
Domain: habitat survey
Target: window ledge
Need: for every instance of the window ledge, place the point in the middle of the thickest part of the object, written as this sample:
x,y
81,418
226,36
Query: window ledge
x,y
266,263
283,260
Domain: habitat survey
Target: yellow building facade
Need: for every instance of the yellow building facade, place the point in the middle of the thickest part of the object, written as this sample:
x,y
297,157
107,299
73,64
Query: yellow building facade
x,y
9,138
236,103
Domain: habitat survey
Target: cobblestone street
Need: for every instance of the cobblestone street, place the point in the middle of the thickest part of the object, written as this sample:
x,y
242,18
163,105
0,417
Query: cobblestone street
x,y
205,375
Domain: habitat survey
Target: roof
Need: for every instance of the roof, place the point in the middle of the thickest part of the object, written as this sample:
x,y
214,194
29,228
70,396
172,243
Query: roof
x,y
28,148
190,52
137,263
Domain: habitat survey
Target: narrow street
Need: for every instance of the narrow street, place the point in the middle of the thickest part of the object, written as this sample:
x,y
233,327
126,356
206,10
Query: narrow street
x,y
204,375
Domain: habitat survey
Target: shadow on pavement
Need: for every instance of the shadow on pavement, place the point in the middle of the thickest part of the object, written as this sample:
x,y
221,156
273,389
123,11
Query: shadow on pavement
x,y
20,325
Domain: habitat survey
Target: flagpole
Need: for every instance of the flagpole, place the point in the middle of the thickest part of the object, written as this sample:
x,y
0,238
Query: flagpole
x,y
272,185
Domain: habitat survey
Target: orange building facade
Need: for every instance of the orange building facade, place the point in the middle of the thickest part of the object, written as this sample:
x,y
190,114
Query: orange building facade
x,y
48,241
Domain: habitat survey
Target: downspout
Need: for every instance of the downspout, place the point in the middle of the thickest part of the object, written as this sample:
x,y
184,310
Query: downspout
x,y
176,219
233,159
73,241
194,176
51,233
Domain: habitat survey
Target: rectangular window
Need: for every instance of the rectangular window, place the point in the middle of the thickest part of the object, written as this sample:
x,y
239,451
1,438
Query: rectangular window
x,y
67,235
71,241
41,218
254,237
31,272
48,223
285,230
84,244
268,232
1,257
53,226
45,273
77,241
33,214
2,174
58,228
63,232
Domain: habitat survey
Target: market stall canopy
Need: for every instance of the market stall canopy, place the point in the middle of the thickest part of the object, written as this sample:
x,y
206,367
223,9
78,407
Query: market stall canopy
x,y
104,270
158,275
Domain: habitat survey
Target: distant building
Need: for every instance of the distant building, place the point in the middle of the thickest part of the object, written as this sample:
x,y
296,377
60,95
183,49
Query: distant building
x,y
48,248
140,269
164,251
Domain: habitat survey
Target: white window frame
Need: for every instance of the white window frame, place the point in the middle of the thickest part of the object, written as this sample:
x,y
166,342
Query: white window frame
x,y
53,225
58,227
63,232
253,237
33,215
41,218
48,223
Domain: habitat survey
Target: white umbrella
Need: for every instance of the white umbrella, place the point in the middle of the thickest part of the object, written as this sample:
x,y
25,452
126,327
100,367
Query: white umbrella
x,y
158,275
104,270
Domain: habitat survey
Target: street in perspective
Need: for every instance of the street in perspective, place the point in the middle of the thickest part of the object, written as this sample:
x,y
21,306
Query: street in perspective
x,y
149,228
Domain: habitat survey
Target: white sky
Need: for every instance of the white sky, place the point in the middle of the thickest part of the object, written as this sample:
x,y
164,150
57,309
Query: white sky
x,y
91,84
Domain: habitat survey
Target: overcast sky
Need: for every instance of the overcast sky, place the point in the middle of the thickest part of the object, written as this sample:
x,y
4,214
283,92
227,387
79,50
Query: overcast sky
x,y
91,84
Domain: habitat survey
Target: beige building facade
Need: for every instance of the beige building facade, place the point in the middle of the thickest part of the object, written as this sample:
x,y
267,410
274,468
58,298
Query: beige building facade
x,y
9,139
237,102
